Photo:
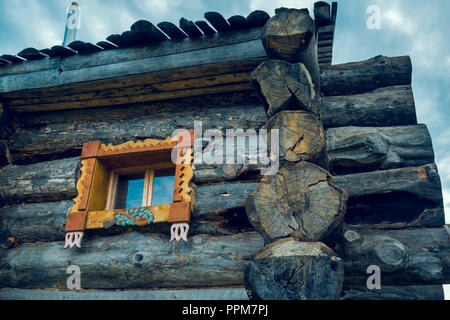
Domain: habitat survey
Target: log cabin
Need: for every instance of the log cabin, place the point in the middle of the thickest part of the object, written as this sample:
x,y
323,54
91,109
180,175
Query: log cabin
x,y
87,176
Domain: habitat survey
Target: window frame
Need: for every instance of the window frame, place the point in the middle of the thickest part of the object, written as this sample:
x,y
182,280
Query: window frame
x,y
92,206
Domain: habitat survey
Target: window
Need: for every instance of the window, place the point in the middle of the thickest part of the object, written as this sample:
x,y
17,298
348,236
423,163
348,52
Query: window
x,y
142,188
135,183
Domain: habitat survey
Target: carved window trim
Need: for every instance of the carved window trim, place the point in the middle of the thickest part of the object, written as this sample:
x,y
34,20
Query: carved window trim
x,y
89,209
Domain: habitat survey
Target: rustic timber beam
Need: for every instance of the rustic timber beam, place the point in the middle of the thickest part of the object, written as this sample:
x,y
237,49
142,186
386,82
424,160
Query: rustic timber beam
x,y
389,106
283,271
66,139
364,76
394,199
223,293
40,182
357,149
289,36
153,262
405,257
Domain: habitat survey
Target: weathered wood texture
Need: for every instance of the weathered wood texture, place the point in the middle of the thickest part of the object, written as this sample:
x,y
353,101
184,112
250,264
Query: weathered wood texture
x,y
395,199
364,76
430,292
63,139
193,294
405,257
6,122
357,149
289,35
133,260
300,201
293,270
40,182
302,137
219,210
3,153
388,106
281,85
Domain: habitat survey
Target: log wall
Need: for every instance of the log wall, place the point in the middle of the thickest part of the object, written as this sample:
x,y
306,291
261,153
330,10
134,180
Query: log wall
x,y
378,152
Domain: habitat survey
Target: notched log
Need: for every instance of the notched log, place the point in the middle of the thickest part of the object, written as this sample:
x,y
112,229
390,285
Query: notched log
x,y
356,149
301,201
293,270
133,260
289,35
281,85
394,199
302,137
405,257
364,76
390,106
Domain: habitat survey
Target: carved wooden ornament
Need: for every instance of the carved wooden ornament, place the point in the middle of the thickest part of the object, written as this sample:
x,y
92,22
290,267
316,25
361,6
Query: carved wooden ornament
x,y
88,211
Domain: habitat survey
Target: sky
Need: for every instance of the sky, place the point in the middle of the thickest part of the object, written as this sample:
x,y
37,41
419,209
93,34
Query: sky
x,y
408,27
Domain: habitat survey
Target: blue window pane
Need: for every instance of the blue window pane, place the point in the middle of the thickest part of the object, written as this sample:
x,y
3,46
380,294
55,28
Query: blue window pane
x,y
163,183
130,190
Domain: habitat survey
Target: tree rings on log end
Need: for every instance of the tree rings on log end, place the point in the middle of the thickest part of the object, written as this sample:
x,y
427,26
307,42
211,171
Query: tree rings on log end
x,y
293,270
302,137
281,85
301,201
287,34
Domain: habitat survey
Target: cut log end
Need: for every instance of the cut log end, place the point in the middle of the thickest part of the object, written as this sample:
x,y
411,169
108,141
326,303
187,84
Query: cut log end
x,y
292,270
281,85
301,201
301,137
287,34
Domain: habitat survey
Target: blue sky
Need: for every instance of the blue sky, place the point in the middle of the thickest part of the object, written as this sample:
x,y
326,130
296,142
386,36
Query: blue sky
x,y
414,27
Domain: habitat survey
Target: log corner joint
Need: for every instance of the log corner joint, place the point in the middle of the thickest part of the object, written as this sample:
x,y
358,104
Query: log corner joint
x,y
90,206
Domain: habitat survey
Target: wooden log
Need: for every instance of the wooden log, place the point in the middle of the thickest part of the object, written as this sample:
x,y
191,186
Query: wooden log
x,y
431,292
172,31
41,144
356,149
237,22
45,222
137,110
293,270
146,32
257,18
7,123
193,294
289,35
215,199
133,260
217,21
35,222
302,137
405,257
301,201
322,14
84,47
390,106
394,199
32,54
204,26
3,156
364,76
281,85
41,182
210,56
190,28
